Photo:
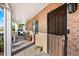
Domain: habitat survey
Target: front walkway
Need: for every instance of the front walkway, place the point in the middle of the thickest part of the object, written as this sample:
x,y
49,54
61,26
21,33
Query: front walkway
x,y
30,51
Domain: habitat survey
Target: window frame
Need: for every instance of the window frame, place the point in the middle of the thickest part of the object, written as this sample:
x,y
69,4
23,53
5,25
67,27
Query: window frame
x,y
35,26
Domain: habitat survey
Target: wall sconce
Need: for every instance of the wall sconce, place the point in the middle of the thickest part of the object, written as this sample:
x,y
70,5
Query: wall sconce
x,y
72,7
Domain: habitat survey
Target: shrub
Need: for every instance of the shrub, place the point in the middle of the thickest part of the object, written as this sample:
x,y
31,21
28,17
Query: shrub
x,y
1,46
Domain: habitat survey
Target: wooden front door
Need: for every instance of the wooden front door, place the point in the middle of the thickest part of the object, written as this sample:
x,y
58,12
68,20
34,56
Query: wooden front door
x,y
57,26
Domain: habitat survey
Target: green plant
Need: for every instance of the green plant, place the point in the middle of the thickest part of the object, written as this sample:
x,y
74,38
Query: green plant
x,y
21,26
1,29
1,45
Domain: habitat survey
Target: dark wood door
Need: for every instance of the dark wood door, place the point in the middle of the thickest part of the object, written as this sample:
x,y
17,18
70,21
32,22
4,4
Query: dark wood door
x,y
57,27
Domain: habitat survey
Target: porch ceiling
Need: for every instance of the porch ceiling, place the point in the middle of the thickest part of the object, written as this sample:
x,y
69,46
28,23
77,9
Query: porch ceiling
x,y
25,11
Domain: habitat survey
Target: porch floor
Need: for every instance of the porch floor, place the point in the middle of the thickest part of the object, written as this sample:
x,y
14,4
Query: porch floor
x,y
30,51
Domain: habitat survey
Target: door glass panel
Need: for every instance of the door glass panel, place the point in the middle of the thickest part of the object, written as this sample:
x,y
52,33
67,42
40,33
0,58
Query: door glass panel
x,y
20,38
1,31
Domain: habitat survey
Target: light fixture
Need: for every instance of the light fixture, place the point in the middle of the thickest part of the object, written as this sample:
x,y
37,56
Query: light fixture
x,y
72,7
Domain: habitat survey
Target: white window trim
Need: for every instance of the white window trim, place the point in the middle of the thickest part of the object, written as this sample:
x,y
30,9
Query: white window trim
x,y
7,33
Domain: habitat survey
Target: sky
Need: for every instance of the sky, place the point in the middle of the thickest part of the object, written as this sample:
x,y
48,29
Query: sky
x,y
1,17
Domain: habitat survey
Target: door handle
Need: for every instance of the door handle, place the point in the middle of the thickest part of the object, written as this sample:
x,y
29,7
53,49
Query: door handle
x,y
63,37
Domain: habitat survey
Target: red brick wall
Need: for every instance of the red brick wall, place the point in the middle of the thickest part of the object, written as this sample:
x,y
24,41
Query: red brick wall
x,y
42,17
72,25
41,37
29,25
73,36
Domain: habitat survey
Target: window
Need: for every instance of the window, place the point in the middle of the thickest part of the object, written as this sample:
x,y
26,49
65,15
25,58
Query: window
x,y
1,31
35,26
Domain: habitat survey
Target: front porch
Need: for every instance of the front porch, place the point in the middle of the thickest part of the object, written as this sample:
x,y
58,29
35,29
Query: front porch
x,y
51,27
31,51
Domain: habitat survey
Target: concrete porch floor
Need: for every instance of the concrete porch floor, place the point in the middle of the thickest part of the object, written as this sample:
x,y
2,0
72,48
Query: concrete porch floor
x,y
30,51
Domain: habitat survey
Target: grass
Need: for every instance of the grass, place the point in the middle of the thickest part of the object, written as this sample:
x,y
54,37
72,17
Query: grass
x,y
1,29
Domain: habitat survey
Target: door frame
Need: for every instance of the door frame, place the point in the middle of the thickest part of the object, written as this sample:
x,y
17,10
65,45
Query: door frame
x,y
65,28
